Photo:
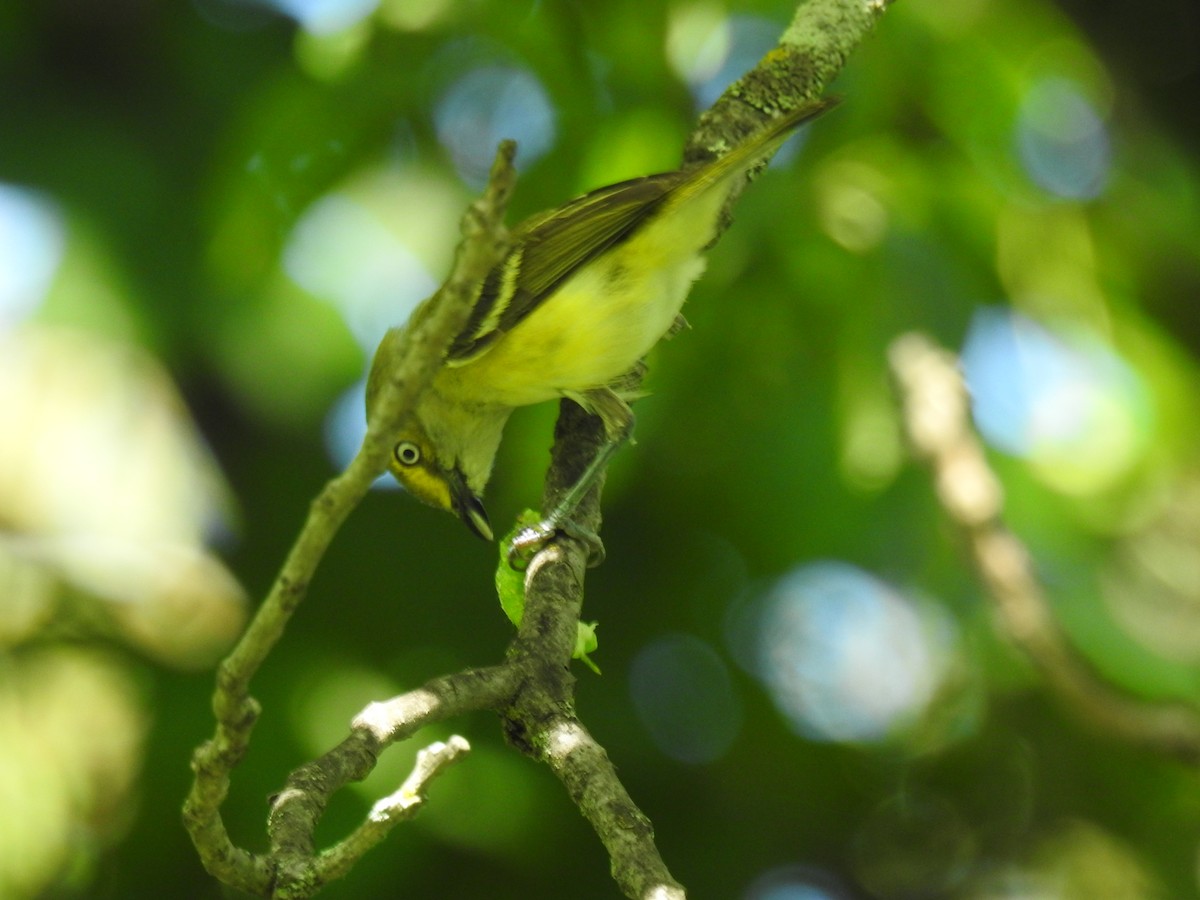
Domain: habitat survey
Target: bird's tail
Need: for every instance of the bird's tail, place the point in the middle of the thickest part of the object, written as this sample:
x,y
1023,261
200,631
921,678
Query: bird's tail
x,y
759,146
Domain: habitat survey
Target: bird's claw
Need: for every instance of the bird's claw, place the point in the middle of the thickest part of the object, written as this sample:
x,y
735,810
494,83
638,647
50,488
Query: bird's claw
x,y
529,541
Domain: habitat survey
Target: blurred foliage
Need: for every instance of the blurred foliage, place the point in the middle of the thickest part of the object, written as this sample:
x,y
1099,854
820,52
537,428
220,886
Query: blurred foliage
x,y
802,684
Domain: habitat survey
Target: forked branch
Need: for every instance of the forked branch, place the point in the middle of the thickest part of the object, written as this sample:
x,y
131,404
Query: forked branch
x,y
532,690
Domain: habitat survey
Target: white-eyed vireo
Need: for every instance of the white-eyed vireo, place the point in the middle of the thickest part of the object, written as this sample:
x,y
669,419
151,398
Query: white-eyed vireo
x,y
582,295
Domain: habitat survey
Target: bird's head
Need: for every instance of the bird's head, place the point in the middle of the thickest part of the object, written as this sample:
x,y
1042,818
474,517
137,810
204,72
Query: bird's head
x,y
444,450
441,484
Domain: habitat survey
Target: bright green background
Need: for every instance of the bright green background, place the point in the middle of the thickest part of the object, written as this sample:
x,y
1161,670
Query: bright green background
x,y
182,142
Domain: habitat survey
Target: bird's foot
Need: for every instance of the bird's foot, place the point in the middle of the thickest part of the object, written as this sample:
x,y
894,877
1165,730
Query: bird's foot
x,y
529,541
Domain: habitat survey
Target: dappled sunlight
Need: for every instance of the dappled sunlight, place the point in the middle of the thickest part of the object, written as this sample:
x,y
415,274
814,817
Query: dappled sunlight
x,y
342,252
487,104
355,262
108,497
1062,140
72,725
709,49
106,489
97,442
796,883
345,427
698,40
1064,401
32,238
851,198
566,738
845,656
268,353
360,250
210,213
173,600
331,56
324,17
414,15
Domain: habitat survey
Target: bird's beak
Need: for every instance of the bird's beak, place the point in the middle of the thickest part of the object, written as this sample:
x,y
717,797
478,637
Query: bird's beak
x,y
470,508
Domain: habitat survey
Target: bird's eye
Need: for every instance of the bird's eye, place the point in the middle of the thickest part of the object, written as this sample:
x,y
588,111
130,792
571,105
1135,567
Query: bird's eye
x,y
407,453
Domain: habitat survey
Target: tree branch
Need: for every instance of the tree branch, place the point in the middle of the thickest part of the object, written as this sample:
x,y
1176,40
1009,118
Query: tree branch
x,y
419,355
296,810
393,809
533,689
811,52
936,417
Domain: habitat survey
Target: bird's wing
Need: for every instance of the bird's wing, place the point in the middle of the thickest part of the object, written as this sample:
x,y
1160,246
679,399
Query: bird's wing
x,y
548,249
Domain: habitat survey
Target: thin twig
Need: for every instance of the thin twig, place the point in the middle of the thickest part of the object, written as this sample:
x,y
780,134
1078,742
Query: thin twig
x,y
296,810
235,710
393,809
937,420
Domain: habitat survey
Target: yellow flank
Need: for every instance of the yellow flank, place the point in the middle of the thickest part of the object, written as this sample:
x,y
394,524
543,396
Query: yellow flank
x,y
604,319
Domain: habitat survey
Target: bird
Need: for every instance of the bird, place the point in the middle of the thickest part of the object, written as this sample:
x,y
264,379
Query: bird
x,y
584,291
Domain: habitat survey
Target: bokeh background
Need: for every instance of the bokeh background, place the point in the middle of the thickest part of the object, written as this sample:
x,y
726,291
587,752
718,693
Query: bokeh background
x,y
209,212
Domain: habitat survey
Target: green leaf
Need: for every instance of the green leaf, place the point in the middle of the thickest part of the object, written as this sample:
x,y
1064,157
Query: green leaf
x,y
510,588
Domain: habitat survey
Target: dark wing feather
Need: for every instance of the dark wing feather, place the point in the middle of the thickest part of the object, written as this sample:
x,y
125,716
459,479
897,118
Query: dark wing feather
x,y
548,249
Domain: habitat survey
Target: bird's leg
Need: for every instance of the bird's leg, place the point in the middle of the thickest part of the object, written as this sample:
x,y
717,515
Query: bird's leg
x,y
618,427
680,324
